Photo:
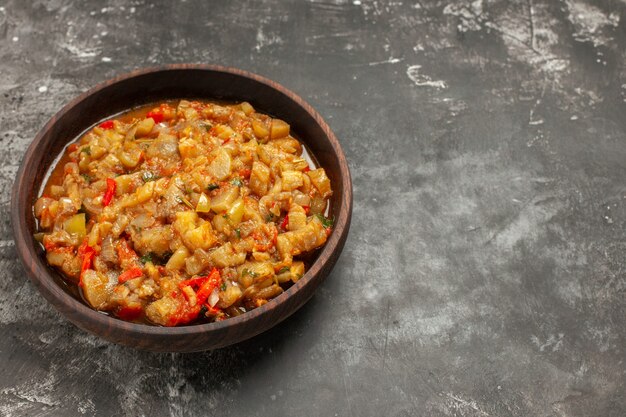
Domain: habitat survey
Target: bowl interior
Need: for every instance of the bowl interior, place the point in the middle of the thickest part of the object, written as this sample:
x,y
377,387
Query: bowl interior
x,y
192,82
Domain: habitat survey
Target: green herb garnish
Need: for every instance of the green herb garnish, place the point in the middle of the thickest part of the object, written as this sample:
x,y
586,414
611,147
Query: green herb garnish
x,y
87,177
283,270
237,182
326,222
238,233
223,286
149,176
246,271
206,126
212,186
146,258
87,150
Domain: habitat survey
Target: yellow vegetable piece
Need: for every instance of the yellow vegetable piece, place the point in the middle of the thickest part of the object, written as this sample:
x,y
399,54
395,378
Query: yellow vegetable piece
x,y
177,260
260,130
144,127
204,204
185,221
97,151
144,192
201,237
278,129
247,108
95,288
130,158
321,181
259,178
235,212
297,218
188,148
224,200
123,184
225,255
223,131
292,180
297,270
76,225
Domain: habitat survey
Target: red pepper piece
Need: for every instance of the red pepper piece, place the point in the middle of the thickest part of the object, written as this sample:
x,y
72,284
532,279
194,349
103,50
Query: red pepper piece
x,y
307,169
72,147
285,222
87,253
307,209
110,192
214,280
244,173
107,125
156,116
193,282
129,274
130,312
187,313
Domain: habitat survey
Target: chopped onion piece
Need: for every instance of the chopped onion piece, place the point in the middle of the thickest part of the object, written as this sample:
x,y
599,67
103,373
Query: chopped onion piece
x,y
213,298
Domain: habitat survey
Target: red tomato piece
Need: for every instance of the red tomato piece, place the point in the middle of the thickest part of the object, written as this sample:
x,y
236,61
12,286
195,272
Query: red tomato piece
x,y
156,116
107,125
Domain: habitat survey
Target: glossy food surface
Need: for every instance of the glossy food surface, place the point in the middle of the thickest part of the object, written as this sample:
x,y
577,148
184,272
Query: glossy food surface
x,y
183,211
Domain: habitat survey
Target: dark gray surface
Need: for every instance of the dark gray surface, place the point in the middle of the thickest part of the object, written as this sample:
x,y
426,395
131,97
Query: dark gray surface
x,y
485,269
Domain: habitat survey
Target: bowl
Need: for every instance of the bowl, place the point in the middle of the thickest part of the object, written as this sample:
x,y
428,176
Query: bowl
x,y
151,85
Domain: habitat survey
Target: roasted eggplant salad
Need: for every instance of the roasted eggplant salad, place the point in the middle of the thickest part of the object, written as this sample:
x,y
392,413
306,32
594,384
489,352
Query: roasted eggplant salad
x,y
184,212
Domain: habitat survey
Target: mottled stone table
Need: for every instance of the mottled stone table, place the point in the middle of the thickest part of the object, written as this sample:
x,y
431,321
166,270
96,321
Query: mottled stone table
x,y
485,271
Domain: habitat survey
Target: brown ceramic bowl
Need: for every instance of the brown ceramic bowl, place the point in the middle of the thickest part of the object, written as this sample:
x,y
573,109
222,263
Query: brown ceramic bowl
x,y
171,82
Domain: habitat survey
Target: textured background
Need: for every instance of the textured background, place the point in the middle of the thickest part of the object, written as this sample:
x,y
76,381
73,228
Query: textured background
x,y
485,271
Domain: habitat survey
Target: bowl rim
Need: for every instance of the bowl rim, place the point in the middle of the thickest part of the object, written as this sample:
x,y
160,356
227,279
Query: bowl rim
x,y
40,274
